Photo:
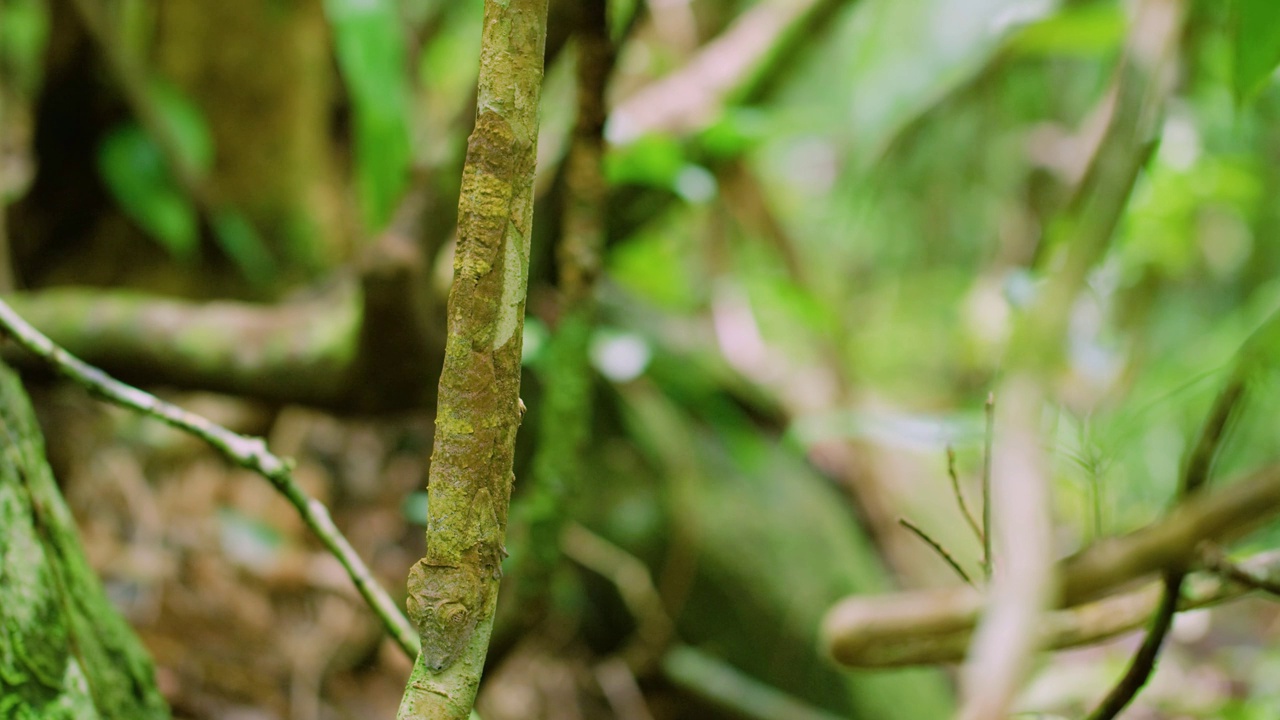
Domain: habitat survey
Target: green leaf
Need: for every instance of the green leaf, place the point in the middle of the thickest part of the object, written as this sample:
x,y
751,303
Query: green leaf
x,y
185,125
241,242
659,161
1257,45
653,160
620,13
133,169
736,131
1084,31
371,56
24,30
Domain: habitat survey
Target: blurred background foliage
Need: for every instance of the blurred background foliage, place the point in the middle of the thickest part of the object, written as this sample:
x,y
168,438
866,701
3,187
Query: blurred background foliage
x,y
812,268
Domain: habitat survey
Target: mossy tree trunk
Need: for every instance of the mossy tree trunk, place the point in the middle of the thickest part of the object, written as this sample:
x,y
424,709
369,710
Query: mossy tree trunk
x,y
65,652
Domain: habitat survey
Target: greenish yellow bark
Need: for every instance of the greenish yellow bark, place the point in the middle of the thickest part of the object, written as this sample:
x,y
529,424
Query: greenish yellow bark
x,y
453,589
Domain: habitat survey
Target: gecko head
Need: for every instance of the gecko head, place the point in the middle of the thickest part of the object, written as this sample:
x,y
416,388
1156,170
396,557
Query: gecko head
x,y
444,604
445,629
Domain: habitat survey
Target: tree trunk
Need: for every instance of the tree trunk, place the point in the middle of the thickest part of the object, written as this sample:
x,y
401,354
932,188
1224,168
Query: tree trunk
x,y
65,652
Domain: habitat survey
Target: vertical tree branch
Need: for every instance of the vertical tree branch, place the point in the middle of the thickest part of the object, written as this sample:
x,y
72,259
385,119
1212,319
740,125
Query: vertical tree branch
x,y
453,589
565,415
1024,581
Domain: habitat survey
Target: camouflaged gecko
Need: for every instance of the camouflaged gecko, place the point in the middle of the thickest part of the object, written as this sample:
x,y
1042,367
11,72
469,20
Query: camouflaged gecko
x,y
446,601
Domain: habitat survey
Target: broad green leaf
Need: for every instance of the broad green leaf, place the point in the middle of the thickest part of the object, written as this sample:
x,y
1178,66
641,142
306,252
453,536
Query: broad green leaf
x,y
133,169
371,56
1257,45
890,61
440,75
654,264
1085,31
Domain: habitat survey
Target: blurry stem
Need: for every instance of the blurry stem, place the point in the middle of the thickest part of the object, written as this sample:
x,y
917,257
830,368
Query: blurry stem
x,y
1144,660
1193,479
964,507
1023,584
249,453
1098,571
6,257
694,671
367,344
719,682
565,417
937,548
1242,574
654,628
989,410
738,63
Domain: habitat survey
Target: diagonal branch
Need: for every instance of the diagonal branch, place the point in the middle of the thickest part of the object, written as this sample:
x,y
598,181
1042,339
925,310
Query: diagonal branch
x,y
250,453
1193,479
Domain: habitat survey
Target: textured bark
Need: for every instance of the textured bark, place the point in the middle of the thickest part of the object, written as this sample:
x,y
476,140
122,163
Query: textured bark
x,y
65,652
453,589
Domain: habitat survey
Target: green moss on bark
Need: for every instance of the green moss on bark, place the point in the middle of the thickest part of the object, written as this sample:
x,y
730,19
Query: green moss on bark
x,y
65,652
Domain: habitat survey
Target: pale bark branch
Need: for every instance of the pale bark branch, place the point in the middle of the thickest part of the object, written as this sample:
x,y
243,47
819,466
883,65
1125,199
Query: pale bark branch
x,y
248,452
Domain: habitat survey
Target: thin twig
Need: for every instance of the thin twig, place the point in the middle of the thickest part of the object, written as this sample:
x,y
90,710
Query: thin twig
x,y
1095,572
937,548
248,452
964,507
1216,561
988,439
1144,660
1193,479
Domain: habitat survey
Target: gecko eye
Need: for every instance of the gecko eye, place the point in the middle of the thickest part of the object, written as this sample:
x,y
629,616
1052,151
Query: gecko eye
x,y
456,615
